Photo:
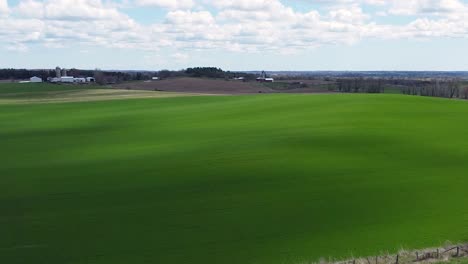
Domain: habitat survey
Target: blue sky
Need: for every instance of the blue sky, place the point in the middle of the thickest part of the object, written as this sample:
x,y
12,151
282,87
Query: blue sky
x,y
235,34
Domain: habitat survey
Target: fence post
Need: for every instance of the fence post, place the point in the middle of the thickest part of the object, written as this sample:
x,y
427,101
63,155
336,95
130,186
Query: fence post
x,y
417,256
376,259
397,258
437,253
458,251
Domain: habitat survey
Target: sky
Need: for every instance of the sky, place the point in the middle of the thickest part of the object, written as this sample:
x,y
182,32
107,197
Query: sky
x,y
289,35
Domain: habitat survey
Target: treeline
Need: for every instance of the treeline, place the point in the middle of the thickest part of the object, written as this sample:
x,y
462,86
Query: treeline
x,y
437,88
101,76
360,85
22,74
104,77
205,72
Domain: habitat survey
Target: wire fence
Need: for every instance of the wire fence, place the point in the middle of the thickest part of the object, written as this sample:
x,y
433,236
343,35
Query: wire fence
x,y
404,257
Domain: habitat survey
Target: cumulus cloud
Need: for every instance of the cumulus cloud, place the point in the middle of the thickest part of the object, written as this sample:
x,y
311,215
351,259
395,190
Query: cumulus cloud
x,y
68,10
416,7
171,4
233,25
4,7
190,18
246,5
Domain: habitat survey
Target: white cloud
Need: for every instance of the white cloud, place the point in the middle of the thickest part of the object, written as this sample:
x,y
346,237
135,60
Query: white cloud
x,y
351,15
416,7
4,7
180,56
242,25
246,5
190,18
68,10
171,4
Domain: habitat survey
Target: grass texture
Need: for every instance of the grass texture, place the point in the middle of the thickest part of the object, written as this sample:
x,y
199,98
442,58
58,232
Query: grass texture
x,y
231,179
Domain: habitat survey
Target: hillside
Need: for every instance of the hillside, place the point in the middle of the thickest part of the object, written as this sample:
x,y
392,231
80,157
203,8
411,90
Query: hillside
x,y
231,179
24,93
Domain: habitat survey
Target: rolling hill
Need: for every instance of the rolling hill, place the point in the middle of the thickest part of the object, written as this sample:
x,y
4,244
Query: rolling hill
x,y
231,179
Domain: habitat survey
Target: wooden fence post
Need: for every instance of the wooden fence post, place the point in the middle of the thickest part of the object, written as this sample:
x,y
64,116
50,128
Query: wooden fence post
x,y
417,256
397,258
458,251
437,253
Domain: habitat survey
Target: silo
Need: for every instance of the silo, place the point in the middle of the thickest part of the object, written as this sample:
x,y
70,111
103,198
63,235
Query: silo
x,y
58,72
64,72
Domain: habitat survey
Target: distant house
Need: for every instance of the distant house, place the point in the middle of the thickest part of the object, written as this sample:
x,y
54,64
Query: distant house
x,y
35,79
155,78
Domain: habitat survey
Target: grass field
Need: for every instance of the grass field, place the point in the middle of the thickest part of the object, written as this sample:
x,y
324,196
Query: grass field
x,y
231,179
22,93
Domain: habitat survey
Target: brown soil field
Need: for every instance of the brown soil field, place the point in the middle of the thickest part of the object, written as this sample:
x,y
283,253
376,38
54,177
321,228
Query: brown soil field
x,y
208,86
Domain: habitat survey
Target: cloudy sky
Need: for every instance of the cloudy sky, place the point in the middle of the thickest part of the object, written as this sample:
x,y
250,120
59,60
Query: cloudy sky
x,y
235,34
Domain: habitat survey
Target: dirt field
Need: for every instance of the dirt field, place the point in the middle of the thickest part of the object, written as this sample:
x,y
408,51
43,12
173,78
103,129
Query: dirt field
x,y
209,86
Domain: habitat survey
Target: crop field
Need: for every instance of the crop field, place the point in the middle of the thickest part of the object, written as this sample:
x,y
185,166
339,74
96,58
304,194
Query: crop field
x,y
263,179
50,93
196,85
220,86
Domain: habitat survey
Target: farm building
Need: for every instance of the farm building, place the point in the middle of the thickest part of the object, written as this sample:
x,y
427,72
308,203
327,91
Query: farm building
x,y
35,79
58,72
155,78
67,79
79,80
61,77
261,79
71,79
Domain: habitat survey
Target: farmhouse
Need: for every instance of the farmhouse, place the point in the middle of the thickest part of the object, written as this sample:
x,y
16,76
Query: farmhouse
x,y
35,79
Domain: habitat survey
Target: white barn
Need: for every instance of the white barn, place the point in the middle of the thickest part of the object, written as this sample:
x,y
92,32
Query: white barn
x,y
79,80
67,79
35,79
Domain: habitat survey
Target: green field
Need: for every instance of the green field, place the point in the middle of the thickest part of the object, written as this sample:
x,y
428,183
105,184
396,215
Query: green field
x,y
25,93
231,179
